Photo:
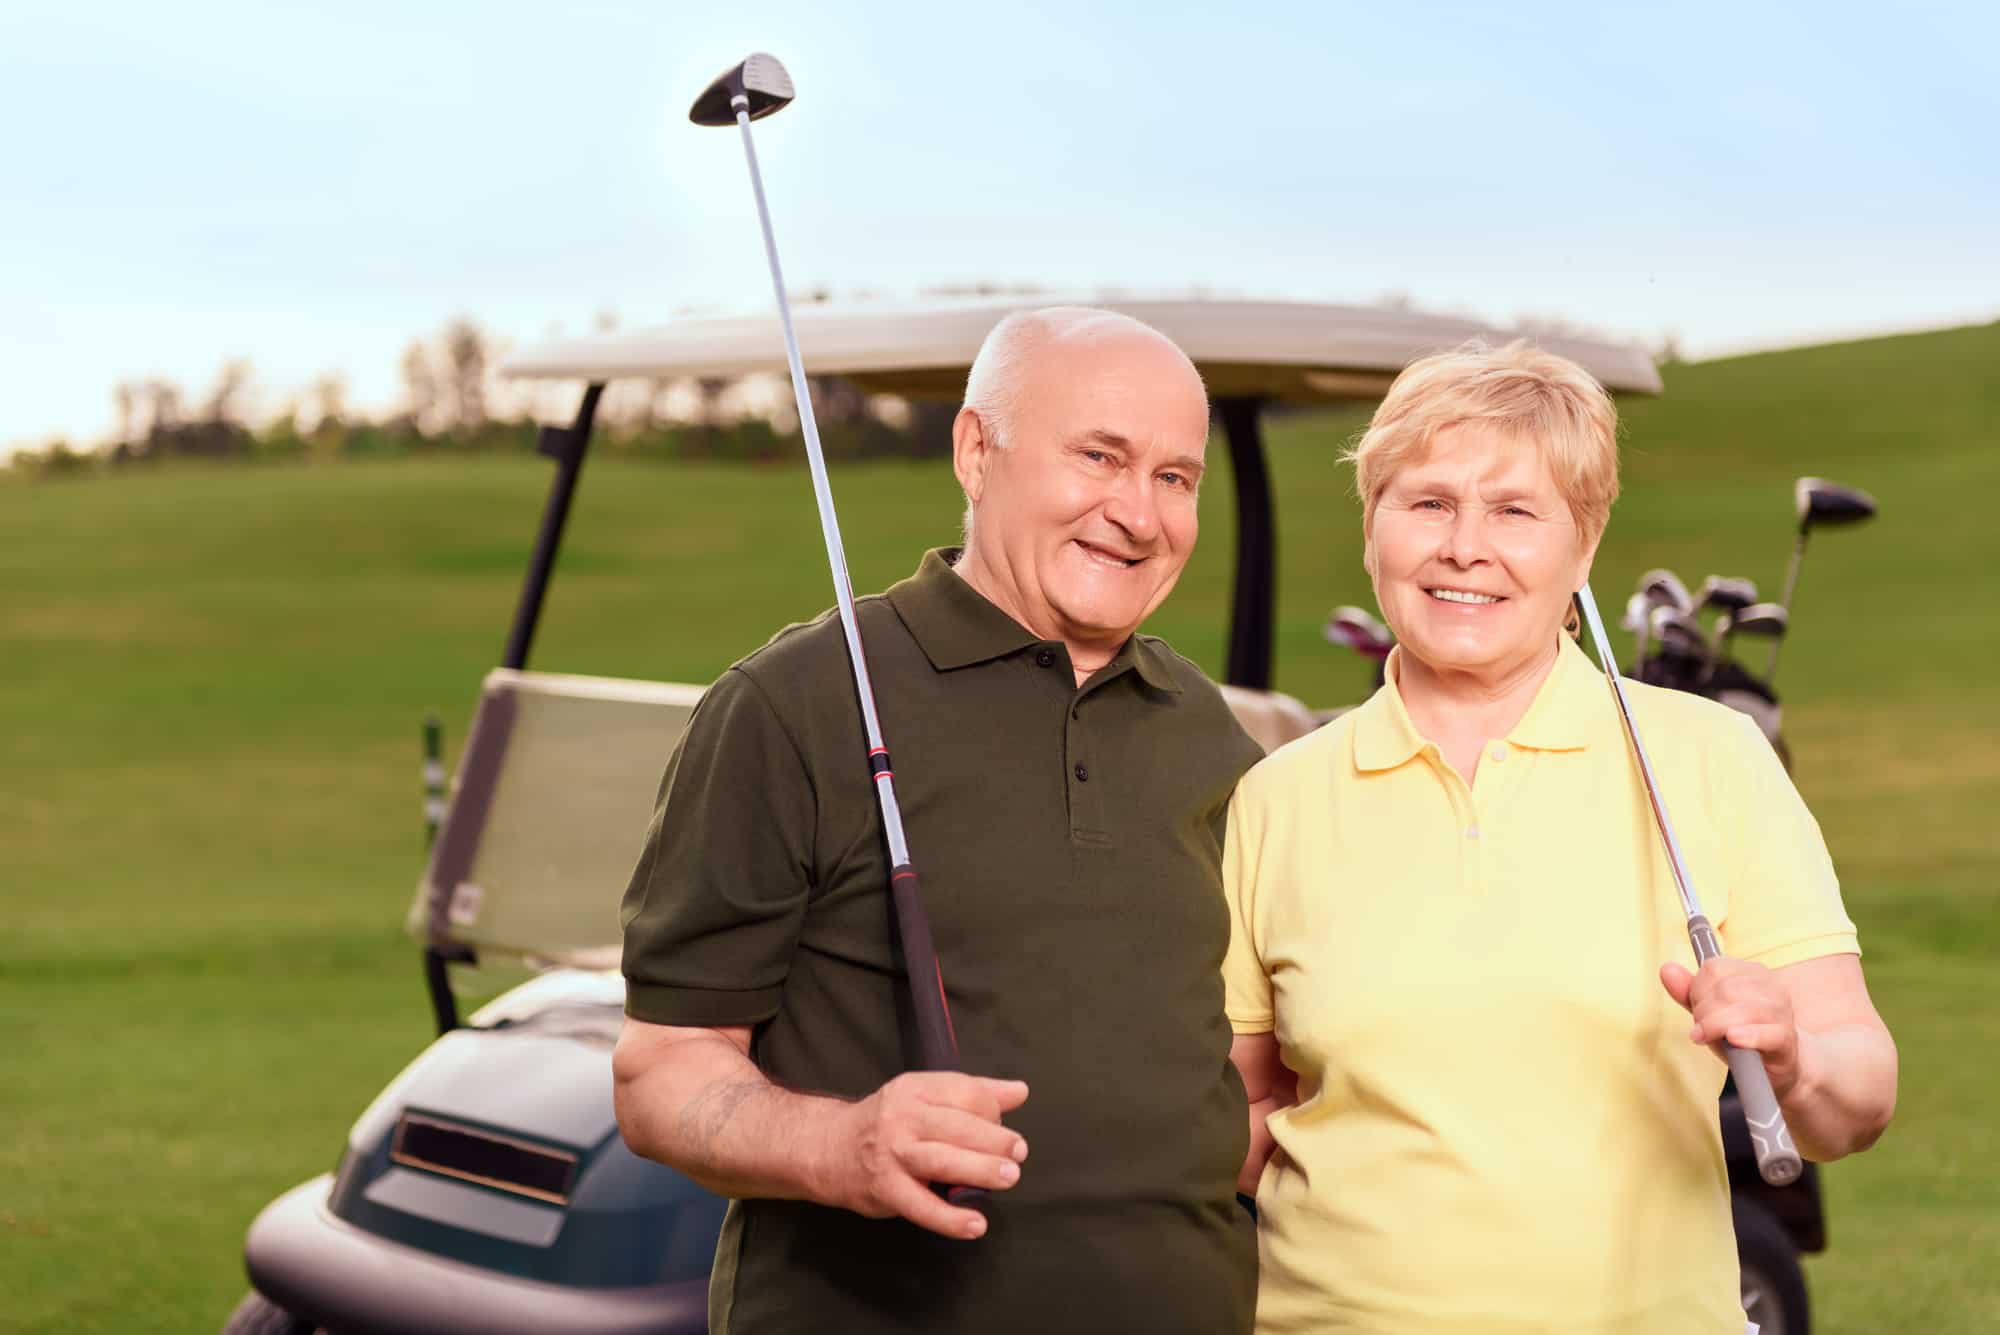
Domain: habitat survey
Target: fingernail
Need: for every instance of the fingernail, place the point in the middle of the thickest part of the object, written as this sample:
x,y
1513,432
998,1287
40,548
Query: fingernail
x,y
1695,1033
1009,1174
976,1226
1020,1151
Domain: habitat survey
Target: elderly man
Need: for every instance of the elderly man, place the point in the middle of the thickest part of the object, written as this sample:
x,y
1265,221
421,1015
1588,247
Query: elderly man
x,y
1064,782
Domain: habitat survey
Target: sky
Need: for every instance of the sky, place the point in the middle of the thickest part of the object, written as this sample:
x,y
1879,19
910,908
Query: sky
x,y
312,186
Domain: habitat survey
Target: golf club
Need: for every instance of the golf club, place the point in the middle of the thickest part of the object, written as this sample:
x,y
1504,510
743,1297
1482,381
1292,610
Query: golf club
x,y
1663,588
1820,503
1636,619
1680,653
1729,596
1360,631
1777,1158
754,89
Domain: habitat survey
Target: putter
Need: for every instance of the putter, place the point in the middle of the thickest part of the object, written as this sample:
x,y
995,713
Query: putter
x,y
1777,1158
1818,502
750,91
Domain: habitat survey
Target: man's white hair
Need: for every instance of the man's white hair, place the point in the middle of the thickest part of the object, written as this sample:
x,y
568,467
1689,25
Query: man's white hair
x,y
999,374
993,387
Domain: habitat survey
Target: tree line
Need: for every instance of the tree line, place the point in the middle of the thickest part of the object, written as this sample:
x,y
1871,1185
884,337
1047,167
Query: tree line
x,y
451,402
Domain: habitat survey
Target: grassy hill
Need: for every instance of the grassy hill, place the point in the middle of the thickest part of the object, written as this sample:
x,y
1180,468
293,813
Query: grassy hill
x,y
211,682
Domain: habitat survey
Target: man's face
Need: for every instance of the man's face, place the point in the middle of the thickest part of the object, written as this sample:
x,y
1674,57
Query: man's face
x,y
1474,554
1087,514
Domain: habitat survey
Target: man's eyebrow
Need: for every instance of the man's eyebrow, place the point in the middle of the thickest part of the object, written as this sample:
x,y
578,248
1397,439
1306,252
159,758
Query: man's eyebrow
x,y
1105,437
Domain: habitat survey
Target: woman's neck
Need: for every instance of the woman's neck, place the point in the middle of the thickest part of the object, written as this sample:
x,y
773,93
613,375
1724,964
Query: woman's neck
x,y
1461,710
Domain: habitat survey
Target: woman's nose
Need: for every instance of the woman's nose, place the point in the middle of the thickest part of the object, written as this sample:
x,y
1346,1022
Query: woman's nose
x,y
1465,539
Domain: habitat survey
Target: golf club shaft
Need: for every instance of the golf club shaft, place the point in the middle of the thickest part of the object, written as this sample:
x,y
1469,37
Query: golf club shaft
x,y
937,1045
1791,583
1777,1158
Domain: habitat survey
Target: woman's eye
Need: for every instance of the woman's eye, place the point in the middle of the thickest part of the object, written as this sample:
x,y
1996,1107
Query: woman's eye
x,y
1430,505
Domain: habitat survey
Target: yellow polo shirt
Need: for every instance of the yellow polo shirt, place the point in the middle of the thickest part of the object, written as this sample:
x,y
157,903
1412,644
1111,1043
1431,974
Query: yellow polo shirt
x,y
1502,1126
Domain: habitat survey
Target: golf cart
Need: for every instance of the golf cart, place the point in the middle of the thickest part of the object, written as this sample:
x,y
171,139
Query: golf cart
x,y
486,1189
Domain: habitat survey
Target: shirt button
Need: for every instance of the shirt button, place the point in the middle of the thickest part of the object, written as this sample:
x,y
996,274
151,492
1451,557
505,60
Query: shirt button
x,y
1046,658
1498,753
1472,832
1082,774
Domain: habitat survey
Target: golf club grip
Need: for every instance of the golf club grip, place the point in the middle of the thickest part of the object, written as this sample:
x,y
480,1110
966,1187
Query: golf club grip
x,y
1778,1161
937,1046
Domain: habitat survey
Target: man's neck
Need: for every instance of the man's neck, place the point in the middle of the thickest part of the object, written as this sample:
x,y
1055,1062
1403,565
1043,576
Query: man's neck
x,y
1086,657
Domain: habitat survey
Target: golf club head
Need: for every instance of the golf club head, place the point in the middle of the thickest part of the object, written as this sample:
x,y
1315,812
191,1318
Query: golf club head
x,y
1678,634
1637,609
760,80
1820,502
1726,593
1359,631
1663,588
1765,619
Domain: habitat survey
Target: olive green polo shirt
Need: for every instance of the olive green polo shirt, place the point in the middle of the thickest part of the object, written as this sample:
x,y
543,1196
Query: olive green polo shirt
x,y
1070,842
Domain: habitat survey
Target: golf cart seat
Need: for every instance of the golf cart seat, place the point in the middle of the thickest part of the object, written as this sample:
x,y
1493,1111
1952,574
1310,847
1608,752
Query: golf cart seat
x,y
1272,718
546,816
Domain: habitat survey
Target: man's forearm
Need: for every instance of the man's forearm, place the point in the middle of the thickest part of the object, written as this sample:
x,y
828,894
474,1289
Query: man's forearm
x,y
1846,1091
704,1108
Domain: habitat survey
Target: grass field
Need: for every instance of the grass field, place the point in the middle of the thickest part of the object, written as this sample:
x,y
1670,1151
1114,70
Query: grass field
x,y
211,682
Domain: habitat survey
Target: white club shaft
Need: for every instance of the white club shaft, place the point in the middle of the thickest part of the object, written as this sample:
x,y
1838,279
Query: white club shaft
x,y
829,522
1690,902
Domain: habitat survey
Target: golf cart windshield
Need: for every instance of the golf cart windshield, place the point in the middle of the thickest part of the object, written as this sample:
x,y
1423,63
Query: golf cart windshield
x,y
546,816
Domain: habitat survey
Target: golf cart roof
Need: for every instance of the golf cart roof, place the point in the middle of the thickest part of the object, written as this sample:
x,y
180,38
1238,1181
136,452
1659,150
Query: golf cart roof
x,y
1277,351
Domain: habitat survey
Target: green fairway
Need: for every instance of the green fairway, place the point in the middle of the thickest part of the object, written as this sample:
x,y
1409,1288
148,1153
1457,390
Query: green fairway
x,y
211,683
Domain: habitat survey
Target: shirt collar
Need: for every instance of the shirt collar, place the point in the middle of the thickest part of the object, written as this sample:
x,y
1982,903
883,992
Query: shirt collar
x,y
956,626
1560,719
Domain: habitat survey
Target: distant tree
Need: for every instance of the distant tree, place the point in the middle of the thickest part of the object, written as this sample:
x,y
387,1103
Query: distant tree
x,y
163,405
225,401
420,385
124,399
466,359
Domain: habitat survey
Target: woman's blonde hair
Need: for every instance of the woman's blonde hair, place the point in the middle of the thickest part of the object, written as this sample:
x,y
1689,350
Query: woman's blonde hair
x,y
1524,392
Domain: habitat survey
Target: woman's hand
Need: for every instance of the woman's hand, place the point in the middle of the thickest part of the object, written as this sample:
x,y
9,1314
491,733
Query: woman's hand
x,y
1744,1005
1830,1058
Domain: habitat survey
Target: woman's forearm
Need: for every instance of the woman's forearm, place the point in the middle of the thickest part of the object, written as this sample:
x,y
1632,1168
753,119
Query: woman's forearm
x,y
1846,1091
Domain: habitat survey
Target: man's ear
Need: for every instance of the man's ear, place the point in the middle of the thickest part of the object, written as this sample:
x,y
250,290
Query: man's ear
x,y
971,453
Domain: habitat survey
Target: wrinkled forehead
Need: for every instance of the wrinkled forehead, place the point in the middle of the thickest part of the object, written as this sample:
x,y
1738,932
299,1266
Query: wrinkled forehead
x,y
1132,382
1477,455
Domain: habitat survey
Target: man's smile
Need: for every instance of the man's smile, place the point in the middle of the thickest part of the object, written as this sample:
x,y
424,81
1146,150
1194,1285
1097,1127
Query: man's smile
x,y
1105,556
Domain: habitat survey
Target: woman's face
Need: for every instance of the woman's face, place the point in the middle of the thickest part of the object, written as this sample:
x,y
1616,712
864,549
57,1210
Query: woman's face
x,y
1475,554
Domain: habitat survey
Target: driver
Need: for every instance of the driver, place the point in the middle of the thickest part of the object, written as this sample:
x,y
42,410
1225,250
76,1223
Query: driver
x,y
1064,781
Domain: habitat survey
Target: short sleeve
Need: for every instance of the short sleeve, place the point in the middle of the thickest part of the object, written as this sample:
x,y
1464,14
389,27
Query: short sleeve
x,y
715,906
1784,903
1246,986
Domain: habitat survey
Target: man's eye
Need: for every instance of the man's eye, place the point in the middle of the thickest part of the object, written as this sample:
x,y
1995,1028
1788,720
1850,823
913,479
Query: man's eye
x,y
1430,505
1096,456
1174,479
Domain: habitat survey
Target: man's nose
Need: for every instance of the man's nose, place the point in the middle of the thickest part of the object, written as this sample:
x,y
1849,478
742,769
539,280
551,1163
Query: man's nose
x,y
1133,507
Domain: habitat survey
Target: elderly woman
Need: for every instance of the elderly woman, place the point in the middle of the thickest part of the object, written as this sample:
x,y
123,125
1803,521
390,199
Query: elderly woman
x,y
1483,1077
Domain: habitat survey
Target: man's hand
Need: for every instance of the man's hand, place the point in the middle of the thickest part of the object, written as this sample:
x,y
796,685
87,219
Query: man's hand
x,y
883,1153
1745,1005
